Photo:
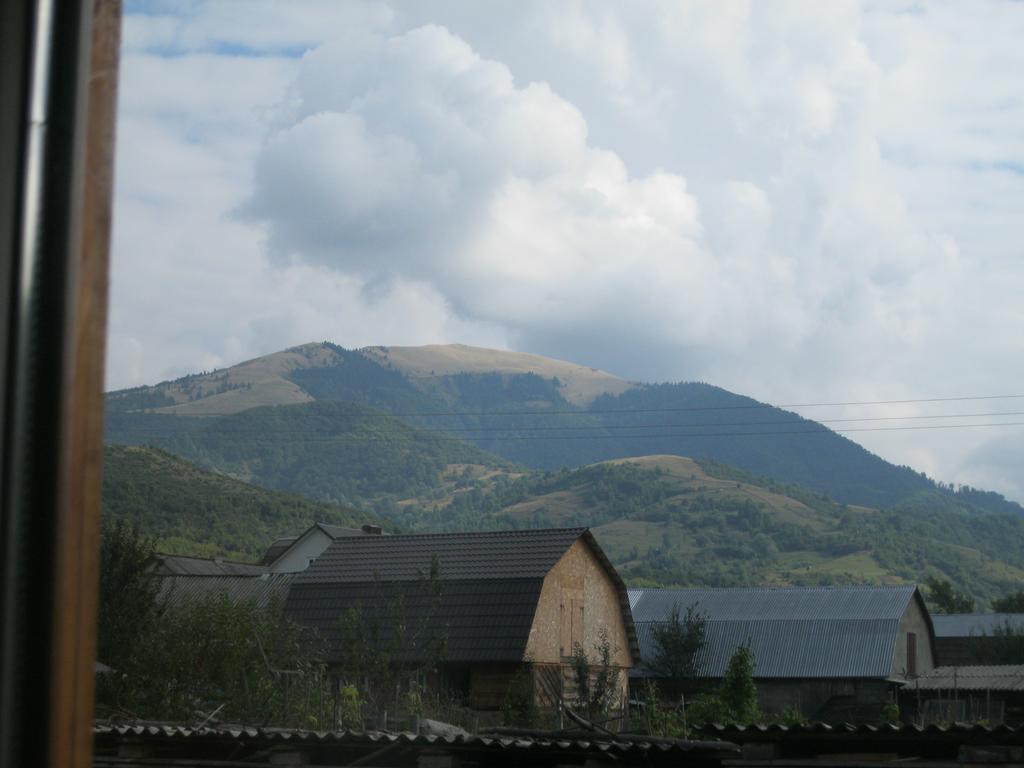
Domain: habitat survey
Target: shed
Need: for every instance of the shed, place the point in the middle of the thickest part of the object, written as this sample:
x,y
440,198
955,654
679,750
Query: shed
x,y
830,652
979,638
503,601
993,693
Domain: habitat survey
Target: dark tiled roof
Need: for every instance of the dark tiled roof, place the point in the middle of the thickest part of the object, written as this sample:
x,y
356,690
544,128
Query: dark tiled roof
x,y
262,590
277,548
180,565
490,555
794,632
491,582
974,624
481,619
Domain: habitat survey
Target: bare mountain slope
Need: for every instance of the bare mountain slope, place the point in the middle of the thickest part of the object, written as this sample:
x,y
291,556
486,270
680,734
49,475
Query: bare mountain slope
x,y
578,384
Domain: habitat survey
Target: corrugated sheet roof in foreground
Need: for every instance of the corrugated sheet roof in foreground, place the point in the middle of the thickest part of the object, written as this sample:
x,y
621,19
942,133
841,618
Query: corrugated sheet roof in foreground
x,y
614,747
487,555
816,632
974,624
1000,677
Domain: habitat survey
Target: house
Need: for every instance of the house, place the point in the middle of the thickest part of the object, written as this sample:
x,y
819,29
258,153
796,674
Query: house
x,y
506,603
292,554
832,653
188,579
947,694
978,638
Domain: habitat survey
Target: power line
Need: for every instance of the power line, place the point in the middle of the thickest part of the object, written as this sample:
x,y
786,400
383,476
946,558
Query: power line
x,y
386,438
602,427
706,407
716,424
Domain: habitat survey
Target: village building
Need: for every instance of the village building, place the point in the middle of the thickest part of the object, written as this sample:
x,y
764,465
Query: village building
x,y
978,638
507,604
291,554
830,653
186,579
993,694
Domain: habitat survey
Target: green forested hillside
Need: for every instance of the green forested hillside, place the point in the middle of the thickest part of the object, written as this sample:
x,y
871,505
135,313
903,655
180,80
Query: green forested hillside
x,y
192,511
670,520
337,452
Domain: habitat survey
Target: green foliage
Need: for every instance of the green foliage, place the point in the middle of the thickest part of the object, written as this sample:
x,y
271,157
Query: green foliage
x,y
519,708
383,650
791,716
659,721
127,596
945,599
597,681
337,452
191,511
1012,603
350,708
736,698
676,645
738,691
890,713
250,665
707,709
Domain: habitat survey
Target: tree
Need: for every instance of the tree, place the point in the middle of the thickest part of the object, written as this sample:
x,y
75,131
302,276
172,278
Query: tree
x,y
597,692
1012,603
676,645
736,698
127,598
738,692
945,599
381,647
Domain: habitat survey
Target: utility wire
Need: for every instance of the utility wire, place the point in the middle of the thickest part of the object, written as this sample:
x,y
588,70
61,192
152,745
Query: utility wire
x,y
706,407
603,427
297,436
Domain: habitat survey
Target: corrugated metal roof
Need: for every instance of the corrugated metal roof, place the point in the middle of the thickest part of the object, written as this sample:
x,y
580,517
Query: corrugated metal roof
x,y
181,565
970,624
629,748
487,555
748,603
1001,677
817,632
261,590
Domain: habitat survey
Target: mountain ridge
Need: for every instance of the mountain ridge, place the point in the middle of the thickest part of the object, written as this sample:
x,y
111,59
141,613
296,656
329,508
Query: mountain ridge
x,y
507,404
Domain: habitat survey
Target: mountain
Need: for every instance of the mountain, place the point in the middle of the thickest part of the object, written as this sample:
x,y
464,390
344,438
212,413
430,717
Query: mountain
x,y
530,410
192,511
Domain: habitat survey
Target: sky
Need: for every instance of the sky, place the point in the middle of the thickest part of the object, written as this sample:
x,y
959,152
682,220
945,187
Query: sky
x,y
803,202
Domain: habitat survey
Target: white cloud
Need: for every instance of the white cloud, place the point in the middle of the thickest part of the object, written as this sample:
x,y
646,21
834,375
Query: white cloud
x,y
794,201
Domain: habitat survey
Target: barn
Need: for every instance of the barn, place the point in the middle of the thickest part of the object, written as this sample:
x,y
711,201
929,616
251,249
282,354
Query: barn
x,y
505,604
832,653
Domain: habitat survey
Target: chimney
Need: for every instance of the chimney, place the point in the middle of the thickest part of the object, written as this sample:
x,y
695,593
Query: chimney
x,y
372,530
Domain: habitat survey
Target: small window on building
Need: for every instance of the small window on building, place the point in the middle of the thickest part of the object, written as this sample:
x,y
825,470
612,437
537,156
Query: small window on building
x,y
911,653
